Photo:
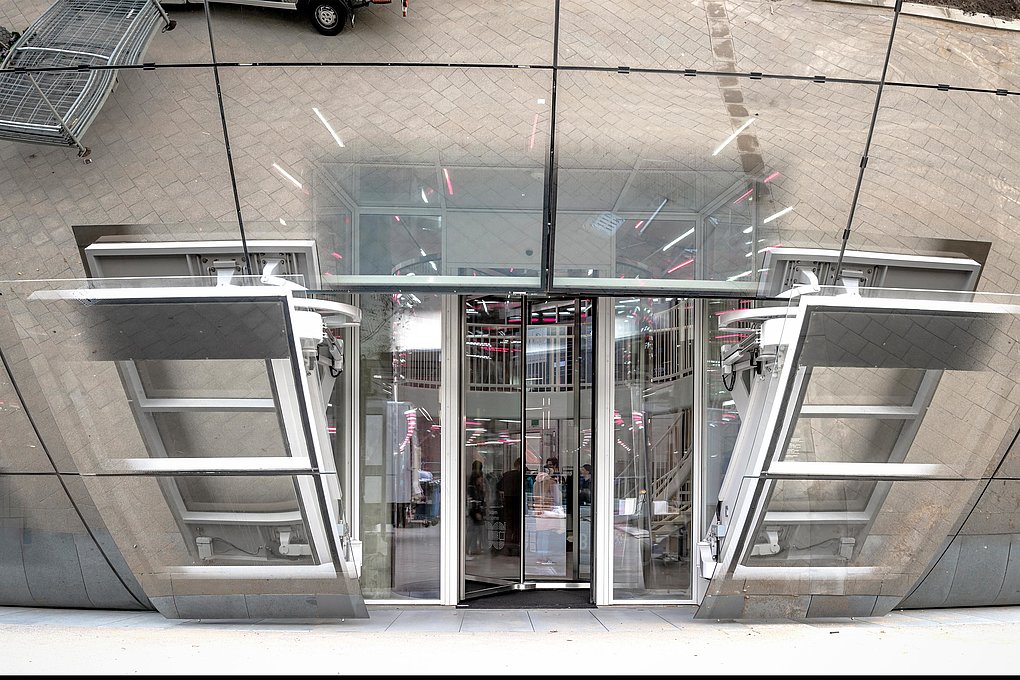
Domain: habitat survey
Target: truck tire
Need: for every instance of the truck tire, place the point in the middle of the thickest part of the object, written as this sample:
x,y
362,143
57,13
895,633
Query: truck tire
x,y
328,16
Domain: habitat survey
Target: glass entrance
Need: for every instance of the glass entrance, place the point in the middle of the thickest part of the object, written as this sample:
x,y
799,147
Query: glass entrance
x,y
527,447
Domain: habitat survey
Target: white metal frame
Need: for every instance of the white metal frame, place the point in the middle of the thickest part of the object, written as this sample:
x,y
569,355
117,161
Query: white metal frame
x,y
769,286
698,585
451,537
763,464
303,254
450,564
605,385
297,407
602,580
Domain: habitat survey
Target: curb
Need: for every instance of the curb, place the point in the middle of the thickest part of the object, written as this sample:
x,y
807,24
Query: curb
x,y
943,13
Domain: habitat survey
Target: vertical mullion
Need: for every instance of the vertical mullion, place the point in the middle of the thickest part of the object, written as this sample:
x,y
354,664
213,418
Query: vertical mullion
x,y
551,171
523,370
695,534
602,501
352,437
575,520
451,519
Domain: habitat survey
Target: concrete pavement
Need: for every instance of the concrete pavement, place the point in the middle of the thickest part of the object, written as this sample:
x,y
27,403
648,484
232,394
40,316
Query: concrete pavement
x,y
450,641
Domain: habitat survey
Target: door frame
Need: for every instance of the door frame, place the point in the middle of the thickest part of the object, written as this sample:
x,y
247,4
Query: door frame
x,y
454,338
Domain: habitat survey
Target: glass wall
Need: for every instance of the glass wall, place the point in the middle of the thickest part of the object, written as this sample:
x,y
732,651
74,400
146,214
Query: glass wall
x,y
659,182
653,445
512,146
398,416
418,172
721,416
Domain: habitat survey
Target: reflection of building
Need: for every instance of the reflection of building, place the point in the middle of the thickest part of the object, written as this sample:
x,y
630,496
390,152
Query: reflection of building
x,y
598,278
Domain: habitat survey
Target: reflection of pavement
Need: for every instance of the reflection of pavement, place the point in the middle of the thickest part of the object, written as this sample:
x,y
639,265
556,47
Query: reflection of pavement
x,y
415,561
643,570
160,157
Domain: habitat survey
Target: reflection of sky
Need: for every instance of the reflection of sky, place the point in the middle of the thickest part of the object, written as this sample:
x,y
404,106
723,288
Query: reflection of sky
x,y
419,331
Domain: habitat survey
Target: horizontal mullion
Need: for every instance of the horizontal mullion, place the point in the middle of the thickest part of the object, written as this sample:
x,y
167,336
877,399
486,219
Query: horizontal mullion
x,y
242,518
245,572
813,573
830,517
859,411
835,471
282,465
176,405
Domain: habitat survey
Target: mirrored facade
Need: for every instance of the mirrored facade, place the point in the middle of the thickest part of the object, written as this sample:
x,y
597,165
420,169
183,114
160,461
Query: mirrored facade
x,y
551,233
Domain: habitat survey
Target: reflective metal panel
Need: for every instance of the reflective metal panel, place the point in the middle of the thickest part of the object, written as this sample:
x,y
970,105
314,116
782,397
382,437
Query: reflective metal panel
x,y
158,164
48,557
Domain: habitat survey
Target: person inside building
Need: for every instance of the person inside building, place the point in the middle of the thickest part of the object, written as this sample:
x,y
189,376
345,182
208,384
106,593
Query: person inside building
x,y
510,495
584,485
476,509
550,516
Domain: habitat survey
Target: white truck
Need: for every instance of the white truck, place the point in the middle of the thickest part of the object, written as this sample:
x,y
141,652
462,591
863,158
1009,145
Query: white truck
x,y
328,16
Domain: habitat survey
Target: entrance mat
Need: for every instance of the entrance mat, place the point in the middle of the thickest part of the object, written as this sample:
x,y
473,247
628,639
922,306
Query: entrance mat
x,y
572,598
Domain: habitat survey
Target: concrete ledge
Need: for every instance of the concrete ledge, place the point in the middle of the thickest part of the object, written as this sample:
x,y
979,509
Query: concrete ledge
x,y
945,13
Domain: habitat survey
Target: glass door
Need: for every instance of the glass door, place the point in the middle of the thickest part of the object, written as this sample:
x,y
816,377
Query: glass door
x,y
527,447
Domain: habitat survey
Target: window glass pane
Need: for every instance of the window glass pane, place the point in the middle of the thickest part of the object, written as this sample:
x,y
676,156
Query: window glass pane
x,y
229,351
257,509
398,410
216,435
212,379
206,521
831,523
653,446
499,479
400,245
722,419
557,407
805,545
896,339
669,179
873,357
403,172
846,440
861,386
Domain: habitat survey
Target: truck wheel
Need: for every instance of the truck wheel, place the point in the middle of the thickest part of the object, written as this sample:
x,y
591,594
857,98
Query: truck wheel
x,y
328,16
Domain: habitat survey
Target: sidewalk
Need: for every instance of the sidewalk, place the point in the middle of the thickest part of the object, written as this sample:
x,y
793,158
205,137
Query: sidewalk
x,y
427,641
